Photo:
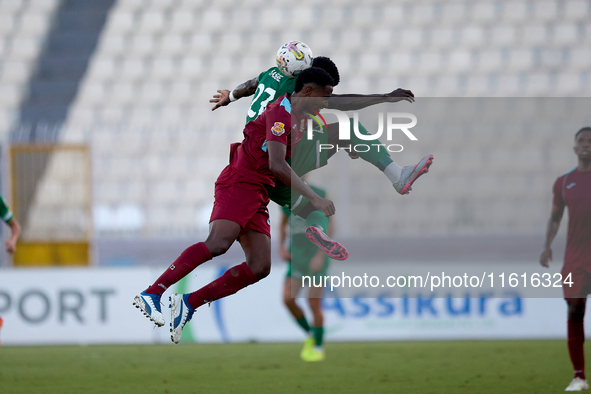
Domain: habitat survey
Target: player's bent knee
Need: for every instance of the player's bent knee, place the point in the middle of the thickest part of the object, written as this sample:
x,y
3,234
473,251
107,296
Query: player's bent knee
x,y
218,246
261,271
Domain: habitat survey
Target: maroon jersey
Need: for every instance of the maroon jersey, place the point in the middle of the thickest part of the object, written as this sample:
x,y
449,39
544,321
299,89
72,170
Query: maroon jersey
x,y
250,158
573,190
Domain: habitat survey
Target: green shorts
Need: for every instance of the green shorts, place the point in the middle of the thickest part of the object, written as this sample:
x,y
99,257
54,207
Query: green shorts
x,y
302,251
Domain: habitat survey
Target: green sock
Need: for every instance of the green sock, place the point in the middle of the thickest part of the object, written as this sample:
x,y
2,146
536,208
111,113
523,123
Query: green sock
x,y
318,335
317,218
376,155
303,323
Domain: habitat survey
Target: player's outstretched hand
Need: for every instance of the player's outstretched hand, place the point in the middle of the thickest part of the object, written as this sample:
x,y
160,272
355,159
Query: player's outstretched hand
x,y
10,246
546,257
399,95
325,205
221,99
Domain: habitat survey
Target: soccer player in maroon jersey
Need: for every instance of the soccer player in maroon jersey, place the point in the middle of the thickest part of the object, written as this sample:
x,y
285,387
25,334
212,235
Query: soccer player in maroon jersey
x,y
240,205
573,190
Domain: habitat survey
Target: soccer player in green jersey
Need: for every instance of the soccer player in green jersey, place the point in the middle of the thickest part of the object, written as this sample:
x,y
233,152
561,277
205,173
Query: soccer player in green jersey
x,y
304,259
273,83
15,229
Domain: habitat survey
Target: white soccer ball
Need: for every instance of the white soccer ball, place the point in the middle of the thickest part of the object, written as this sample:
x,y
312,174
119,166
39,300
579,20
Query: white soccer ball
x,y
294,57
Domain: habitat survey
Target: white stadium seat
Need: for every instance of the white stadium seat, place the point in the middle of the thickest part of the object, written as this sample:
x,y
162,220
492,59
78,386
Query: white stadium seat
x,y
545,10
515,11
151,22
181,21
7,23
534,35
490,60
443,37
503,35
472,37
565,34
162,68
133,68
580,58
459,60
121,22
484,12
520,59
576,10
411,38
142,44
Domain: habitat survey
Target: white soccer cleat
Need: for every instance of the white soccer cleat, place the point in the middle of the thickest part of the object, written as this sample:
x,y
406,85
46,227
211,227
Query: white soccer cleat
x,y
149,304
411,173
577,384
180,314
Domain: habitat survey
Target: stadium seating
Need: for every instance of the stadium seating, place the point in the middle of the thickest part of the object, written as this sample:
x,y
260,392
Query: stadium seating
x,y
143,102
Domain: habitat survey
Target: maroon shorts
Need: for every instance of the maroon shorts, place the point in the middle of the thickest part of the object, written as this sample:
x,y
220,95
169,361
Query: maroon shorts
x,y
581,285
241,201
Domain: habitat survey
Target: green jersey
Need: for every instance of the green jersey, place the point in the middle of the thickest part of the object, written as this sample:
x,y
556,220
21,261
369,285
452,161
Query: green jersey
x,y
272,85
5,212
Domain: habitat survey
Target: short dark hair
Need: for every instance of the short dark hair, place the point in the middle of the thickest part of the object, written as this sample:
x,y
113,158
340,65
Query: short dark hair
x,y
313,75
587,128
327,65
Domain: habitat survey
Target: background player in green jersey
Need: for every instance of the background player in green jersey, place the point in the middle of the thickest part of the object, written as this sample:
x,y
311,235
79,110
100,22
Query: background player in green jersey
x,y
304,260
15,229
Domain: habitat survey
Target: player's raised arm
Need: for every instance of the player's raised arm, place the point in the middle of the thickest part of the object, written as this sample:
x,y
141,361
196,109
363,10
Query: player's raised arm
x,y
285,174
351,102
225,97
551,231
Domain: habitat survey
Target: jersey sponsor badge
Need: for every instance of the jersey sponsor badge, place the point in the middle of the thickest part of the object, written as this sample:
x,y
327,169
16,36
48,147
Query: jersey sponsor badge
x,y
278,129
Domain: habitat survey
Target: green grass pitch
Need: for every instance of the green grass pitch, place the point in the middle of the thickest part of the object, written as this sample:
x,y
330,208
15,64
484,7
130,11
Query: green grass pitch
x,y
371,367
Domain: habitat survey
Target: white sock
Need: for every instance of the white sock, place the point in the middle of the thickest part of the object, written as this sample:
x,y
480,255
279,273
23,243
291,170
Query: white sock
x,y
393,172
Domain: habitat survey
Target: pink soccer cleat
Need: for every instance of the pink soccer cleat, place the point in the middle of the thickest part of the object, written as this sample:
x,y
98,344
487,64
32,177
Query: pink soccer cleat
x,y
331,248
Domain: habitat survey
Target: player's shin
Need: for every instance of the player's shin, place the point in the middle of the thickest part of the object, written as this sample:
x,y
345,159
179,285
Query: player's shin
x,y
191,258
576,339
234,279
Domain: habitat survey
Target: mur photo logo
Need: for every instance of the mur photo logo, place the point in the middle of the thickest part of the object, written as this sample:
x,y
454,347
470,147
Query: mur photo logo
x,y
388,123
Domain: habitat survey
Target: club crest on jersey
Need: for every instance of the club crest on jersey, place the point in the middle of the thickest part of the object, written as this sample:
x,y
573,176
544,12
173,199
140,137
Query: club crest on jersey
x,y
278,129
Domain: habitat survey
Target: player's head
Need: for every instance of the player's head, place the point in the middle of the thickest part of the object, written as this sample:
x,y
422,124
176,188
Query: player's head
x,y
583,144
313,78
327,65
315,85
582,130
